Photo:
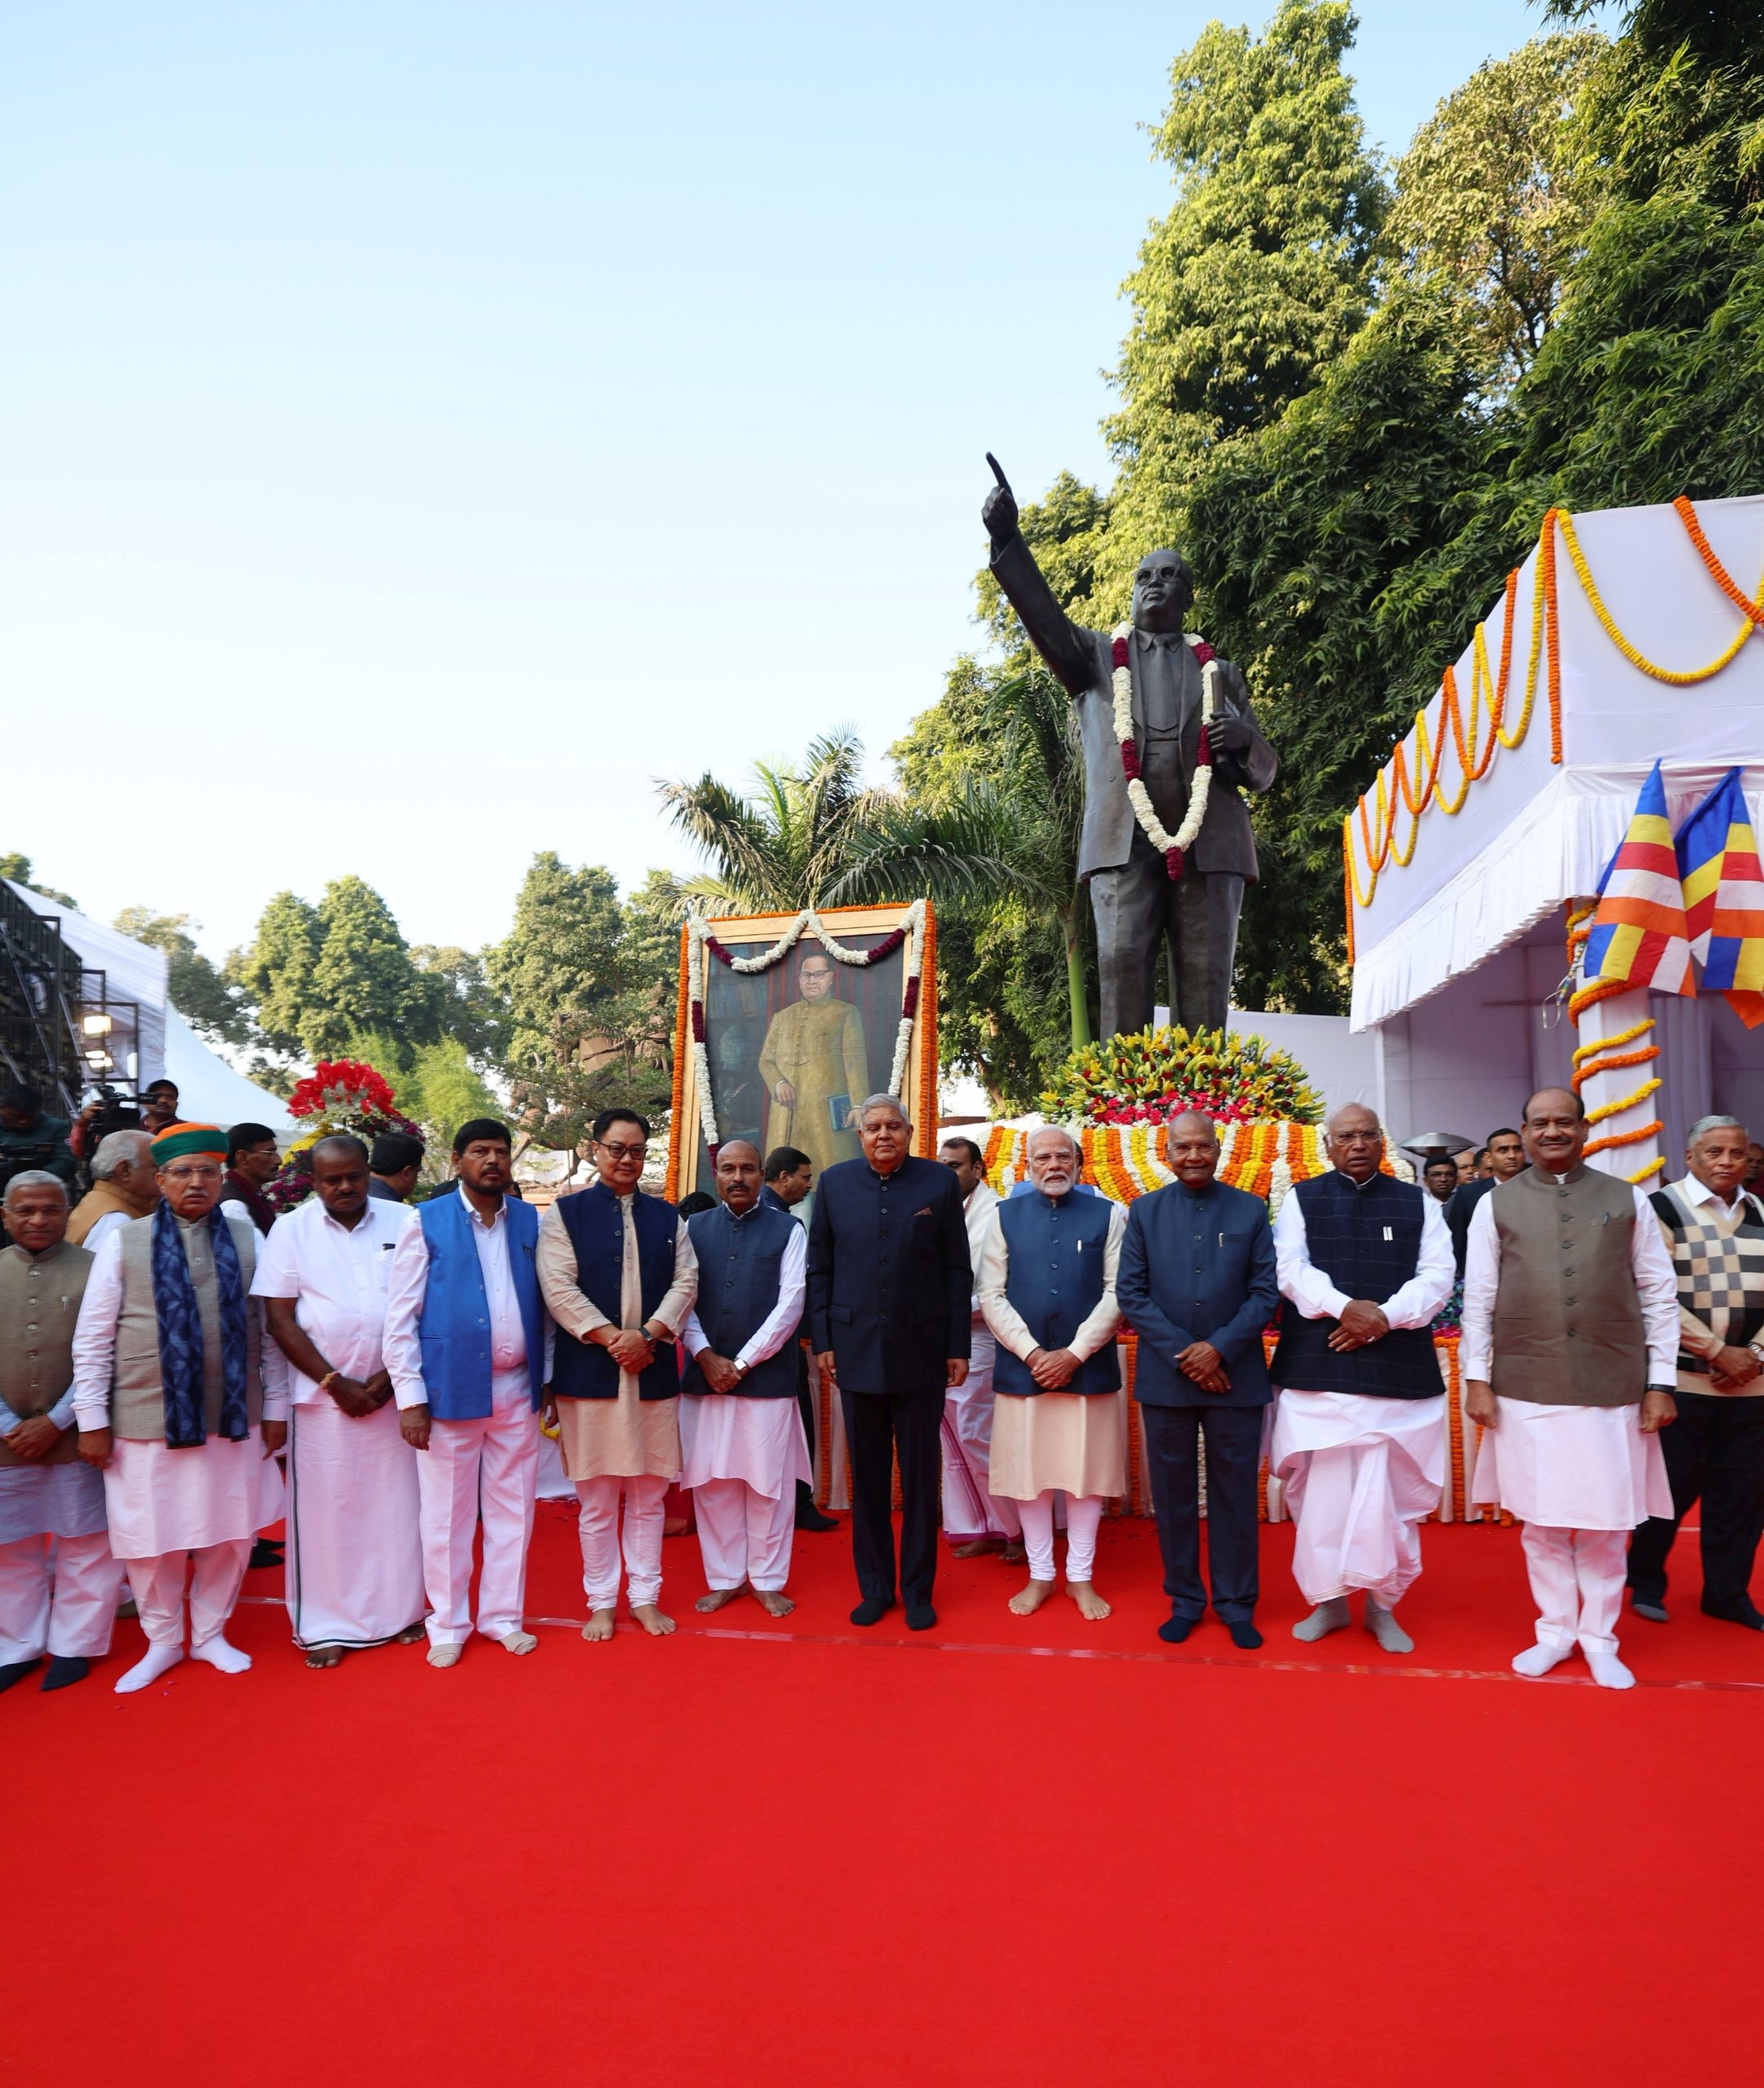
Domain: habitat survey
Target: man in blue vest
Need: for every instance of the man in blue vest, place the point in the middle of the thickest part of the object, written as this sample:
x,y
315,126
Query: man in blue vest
x,y
1197,1286
1045,1281
468,1343
889,1286
1359,1443
742,1442
619,1275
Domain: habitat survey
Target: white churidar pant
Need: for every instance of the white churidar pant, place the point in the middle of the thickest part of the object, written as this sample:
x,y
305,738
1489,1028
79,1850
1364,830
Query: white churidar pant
x,y
217,1572
355,1539
1576,1579
489,1466
744,1535
1360,1473
161,1501
1084,1518
599,1523
970,1509
58,1595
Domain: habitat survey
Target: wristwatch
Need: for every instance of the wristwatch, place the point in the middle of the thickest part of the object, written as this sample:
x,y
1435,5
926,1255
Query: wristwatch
x,y
741,1369
1663,1388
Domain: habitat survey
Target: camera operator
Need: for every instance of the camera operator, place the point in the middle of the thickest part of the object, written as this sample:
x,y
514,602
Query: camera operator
x,y
29,1139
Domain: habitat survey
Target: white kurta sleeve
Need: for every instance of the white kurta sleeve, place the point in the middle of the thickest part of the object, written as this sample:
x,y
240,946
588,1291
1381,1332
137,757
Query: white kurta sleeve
x,y
407,1283
1307,1287
1656,1283
786,1316
95,1336
677,1301
990,1272
278,1264
273,1364
1417,1303
1101,1321
1482,1279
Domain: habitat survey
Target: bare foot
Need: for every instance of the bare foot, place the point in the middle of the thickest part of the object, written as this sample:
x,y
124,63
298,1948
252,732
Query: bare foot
x,y
651,1618
600,1624
1029,1599
1016,1553
325,1656
774,1601
974,1546
409,1635
718,1599
1091,1606
676,1525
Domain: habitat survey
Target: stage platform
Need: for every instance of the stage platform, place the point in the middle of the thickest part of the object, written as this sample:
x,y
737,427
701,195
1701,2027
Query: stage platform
x,y
1005,1852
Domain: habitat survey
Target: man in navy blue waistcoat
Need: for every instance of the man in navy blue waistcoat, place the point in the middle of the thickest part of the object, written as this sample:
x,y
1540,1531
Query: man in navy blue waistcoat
x,y
889,1286
1358,1443
1197,1286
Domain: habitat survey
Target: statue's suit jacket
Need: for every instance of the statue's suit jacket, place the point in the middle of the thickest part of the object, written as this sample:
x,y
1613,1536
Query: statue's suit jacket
x,y
1084,661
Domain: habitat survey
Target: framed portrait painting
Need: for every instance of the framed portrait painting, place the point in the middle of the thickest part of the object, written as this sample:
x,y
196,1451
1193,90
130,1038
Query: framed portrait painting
x,y
787,1021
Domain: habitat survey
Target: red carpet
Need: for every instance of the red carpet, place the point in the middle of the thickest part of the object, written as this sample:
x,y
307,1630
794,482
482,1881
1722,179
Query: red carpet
x,y
851,1857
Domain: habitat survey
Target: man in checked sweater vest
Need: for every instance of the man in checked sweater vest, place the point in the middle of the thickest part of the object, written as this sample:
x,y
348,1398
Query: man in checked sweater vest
x,y
1714,1233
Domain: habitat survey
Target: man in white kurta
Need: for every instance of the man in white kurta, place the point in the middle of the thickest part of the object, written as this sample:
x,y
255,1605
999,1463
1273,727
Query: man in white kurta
x,y
742,1442
1364,1263
975,1518
619,1275
355,1547
187,1451
1569,1353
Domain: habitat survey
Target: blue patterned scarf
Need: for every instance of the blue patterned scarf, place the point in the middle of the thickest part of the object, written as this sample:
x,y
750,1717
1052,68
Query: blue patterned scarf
x,y
180,1332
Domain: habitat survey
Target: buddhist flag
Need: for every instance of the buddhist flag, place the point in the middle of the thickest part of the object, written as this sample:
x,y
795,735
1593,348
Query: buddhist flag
x,y
1724,898
1639,932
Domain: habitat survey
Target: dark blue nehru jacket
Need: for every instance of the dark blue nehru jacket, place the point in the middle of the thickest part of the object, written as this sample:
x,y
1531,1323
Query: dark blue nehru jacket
x,y
1053,1276
595,1223
740,1264
1366,1239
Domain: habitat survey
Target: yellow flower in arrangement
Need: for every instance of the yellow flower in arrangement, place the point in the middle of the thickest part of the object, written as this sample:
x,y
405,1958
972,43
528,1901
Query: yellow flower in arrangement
x,y
1157,1074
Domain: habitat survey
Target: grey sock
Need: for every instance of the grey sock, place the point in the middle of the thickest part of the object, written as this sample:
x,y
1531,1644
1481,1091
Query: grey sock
x,y
1328,1617
1382,1625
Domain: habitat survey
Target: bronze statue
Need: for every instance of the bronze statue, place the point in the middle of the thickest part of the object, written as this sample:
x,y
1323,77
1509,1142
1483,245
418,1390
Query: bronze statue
x,y
1144,892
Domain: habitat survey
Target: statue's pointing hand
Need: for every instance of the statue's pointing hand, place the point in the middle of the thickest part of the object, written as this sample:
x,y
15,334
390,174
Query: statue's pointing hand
x,y
1229,736
998,510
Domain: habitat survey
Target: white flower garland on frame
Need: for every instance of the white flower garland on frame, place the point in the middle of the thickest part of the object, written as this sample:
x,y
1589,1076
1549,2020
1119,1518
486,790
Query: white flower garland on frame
x,y
1168,845
699,938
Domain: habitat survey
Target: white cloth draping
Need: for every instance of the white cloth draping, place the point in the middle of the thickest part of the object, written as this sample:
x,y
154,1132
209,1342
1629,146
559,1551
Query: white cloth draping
x,y
160,1500
58,1595
1360,1473
58,1500
487,1469
645,1496
970,1508
354,1543
1072,1442
1571,1467
216,1571
742,1535
1576,1577
724,1435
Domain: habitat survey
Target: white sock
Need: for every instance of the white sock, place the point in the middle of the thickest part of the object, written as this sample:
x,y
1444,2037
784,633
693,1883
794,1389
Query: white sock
x,y
1608,1671
444,1652
218,1653
148,1669
1538,1660
517,1642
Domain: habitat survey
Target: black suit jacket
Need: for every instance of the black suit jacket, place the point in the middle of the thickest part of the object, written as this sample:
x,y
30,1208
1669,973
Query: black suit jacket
x,y
889,1281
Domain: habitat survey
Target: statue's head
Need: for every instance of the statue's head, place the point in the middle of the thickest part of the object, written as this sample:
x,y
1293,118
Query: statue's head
x,y
1163,591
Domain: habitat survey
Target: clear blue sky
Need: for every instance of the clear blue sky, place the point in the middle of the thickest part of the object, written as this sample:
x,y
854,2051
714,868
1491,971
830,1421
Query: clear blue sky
x,y
425,425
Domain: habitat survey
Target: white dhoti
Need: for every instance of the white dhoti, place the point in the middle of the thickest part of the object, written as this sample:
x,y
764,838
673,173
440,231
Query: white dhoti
x,y
970,1509
742,1458
487,1468
354,1540
1579,1478
1361,1474
554,1482
58,1595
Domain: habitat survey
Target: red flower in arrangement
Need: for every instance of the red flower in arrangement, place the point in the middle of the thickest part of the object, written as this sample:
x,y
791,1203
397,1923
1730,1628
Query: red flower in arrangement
x,y
1118,654
1204,653
1203,751
1130,760
717,951
909,1000
340,1084
1173,862
698,1022
886,947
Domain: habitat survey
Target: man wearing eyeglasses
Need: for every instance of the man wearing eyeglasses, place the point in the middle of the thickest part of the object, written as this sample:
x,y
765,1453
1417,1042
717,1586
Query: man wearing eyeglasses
x,y
619,1275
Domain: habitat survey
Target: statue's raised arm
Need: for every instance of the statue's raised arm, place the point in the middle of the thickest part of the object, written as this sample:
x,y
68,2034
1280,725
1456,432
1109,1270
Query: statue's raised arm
x,y
1067,646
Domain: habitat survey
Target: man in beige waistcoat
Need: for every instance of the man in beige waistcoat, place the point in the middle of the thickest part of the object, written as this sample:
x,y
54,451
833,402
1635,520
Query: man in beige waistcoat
x,y
58,1581
169,1392
124,1186
1570,1339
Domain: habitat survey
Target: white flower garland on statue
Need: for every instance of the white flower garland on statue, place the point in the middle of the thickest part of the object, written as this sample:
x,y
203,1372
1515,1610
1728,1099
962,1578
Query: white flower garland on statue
x,y
909,934
1173,848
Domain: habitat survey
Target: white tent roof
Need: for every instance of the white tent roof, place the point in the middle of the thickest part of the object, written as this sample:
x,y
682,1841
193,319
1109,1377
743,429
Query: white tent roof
x,y
209,1091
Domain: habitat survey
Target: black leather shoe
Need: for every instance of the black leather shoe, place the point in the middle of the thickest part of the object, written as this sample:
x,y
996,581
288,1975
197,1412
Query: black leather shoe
x,y
65,1670
872,1610
267,1551
16,1671
1654,1612
1243,1633
1741,1612
1174,1629
808,1516
920,1616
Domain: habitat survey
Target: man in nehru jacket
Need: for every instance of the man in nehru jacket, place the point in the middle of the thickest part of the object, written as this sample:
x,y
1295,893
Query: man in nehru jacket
x,y
354,1542
1506,1158
1714,1451
976,1519
1358,1438
468,1345
58,1581
742,1446
620,1275
1571,1335
1198,1286
1046,1277
890,1287
169,1391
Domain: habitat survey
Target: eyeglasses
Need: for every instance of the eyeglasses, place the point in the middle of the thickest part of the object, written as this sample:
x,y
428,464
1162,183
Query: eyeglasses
x,y
193,1171
622,1152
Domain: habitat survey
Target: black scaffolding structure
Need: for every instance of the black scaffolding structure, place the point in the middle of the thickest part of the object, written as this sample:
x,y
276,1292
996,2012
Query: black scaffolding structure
x,y
60,1028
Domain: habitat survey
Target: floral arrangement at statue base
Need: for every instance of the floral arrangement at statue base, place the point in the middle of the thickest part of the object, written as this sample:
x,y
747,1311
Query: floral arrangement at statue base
x,y
340,1095
1157,1074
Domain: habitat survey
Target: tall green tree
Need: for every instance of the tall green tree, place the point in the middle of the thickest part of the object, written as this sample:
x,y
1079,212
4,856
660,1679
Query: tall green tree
x,y
197,990
276,973
17,868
